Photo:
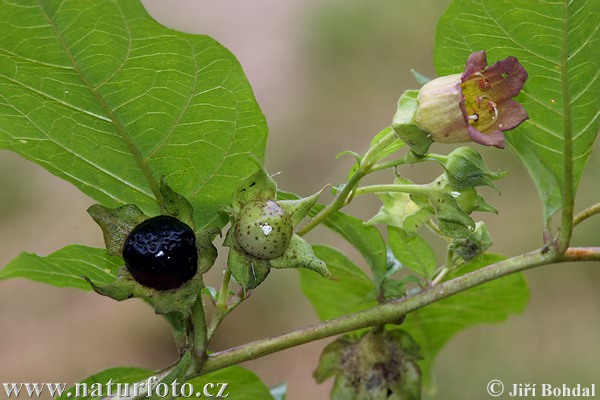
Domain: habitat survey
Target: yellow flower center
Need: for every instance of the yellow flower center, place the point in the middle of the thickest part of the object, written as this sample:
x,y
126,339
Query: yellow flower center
x,y
482,111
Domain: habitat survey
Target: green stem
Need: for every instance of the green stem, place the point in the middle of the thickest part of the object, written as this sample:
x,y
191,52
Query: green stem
x,y
567,193
340,201
368,159
421,190
587,213
447,266
347,193
221,308
199,338
392,311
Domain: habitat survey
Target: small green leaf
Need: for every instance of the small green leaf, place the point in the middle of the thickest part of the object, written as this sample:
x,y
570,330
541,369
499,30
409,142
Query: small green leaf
x,y
434,325
349,293
65,267
116,224
97,384
242,384
413,252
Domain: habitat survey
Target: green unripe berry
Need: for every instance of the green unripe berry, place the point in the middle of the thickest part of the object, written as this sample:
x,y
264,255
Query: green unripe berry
x,y
263,229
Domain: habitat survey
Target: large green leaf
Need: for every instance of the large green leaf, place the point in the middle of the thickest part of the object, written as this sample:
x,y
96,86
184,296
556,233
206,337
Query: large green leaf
x,y
103,96
95,385
558,43
242,384
434,325
65,267
235,382
351,291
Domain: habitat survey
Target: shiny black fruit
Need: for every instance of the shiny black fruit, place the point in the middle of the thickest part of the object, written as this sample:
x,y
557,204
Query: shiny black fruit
x,y
161,253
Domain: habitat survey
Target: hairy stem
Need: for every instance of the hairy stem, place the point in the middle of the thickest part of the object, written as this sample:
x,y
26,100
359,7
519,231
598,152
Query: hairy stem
x,y
199,338
221,306
340,201
392,311
422,190
345,195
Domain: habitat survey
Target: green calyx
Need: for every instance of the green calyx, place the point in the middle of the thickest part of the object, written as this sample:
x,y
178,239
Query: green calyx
x,y
465,169
378,364
405,126
261,235
118,223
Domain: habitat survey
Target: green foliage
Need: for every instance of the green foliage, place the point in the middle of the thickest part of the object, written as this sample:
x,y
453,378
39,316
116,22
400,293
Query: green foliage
x,y
558,44
434,325
413,252
101,95
65,267
97,381
350,292
243,384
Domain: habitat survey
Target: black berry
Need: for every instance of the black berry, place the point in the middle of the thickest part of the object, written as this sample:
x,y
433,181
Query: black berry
x,y
161,253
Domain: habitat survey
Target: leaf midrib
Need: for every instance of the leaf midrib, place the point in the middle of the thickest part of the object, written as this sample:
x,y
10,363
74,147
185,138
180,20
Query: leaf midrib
x,y
105,107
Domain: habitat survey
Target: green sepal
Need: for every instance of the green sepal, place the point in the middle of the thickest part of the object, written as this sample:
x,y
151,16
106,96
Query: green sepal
x,y
484,206
123,288
300,255
207,252
401,211
452,220
405,127
465,168
178,300
248,271
331,359
175,205
116,224
259,186
299,209
381,364
476,244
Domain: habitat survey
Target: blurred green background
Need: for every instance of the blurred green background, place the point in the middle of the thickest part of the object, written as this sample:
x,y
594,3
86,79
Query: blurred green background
x,y
327,76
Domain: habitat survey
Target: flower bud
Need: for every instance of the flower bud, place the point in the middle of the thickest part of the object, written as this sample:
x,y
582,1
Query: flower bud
x,y
465,169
